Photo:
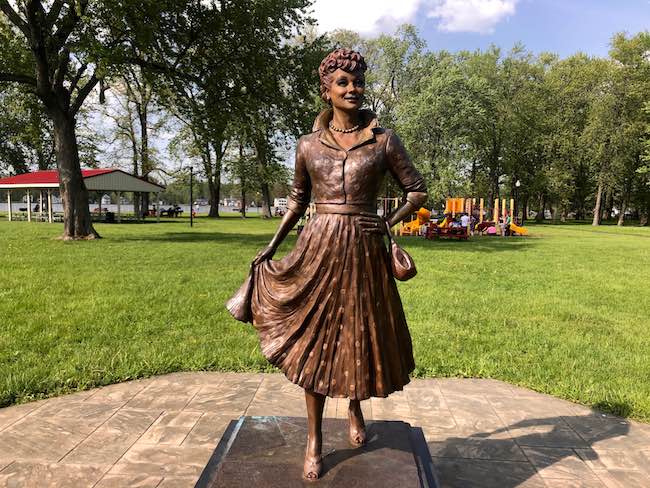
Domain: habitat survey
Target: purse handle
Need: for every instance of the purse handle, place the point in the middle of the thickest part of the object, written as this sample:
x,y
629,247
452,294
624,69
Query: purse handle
x,y
391,239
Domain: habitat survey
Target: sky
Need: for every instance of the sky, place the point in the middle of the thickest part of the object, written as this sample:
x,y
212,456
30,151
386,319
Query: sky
x,y
560,26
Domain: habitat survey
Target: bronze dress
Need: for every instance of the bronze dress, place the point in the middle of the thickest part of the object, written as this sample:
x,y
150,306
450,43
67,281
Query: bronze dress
x,y
329,314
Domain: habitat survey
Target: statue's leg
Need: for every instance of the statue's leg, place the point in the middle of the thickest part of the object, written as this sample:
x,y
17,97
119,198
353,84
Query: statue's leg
x,y
357,425
313,461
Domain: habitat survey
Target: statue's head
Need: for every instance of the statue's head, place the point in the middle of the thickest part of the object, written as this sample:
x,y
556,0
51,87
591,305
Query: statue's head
x,y
341,63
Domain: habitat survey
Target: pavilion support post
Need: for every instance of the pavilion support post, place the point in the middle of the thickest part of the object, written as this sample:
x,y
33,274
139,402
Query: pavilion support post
x,y
495,211
158,207
9,205
49,206
119,207
480,211
29,205
503,209
40,204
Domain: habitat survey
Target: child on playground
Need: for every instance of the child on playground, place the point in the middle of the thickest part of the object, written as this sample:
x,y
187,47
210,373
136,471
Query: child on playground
x,y
464,221
505,224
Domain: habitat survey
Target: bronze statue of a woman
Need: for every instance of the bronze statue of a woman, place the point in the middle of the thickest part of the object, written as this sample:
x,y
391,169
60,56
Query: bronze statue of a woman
x,y
329,314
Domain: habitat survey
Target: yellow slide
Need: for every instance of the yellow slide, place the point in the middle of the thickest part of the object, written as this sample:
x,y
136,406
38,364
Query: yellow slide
x,y
522,231
413,227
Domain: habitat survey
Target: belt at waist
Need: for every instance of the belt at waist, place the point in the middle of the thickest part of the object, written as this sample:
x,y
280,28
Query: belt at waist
x,y
345,208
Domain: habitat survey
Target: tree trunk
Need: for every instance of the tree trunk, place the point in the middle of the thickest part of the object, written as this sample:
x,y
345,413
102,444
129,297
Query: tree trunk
x,y
609,205
554,213
214,179
580,215
144,151
524,211
621,213
266,200
625,198
214,188
261,150
243,201
77,223
541,209
599,197
136,205
145,203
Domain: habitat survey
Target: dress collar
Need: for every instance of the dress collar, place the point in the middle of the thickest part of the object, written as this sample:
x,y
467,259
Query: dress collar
x,y
367,119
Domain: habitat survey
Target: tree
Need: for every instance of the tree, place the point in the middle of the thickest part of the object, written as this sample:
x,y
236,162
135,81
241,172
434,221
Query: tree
x,y
219,62
432,118
241,164
644,172
136,119
632,79
46,51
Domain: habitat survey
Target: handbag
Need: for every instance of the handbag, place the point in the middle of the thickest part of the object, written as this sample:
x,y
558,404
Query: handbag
x,y
401,262
239,305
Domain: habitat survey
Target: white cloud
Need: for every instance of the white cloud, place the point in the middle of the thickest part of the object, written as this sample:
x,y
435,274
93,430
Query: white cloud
x,y
471,15
364,16
372,16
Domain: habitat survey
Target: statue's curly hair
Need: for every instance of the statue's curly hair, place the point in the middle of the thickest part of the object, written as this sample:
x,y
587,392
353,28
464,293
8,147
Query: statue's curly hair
x,y
346,59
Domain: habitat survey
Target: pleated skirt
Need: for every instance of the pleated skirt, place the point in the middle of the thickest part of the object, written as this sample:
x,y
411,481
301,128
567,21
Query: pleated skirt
x,y
329,315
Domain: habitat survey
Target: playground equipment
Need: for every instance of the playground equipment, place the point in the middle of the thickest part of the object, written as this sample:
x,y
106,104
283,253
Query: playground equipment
x,y
436,231
522,231
413,227
469,206
447,228
456,205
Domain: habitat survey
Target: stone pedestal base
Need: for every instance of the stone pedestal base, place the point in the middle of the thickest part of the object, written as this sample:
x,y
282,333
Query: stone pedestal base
x,y
269,451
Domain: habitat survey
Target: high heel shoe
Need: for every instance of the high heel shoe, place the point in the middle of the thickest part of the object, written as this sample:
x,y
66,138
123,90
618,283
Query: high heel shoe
x,y
357,437
312,468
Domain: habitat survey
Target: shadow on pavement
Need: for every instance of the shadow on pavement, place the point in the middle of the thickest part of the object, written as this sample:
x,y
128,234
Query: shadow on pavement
x,y
556,445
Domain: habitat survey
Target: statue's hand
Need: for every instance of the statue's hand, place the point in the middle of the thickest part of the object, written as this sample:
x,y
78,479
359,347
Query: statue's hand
x,y
264,255
372,223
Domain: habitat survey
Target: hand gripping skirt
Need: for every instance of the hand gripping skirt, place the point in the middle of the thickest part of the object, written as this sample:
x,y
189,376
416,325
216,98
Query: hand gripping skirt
x,y
329,315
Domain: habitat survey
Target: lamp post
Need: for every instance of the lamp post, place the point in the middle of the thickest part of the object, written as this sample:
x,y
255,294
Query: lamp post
x,y
523,217
191,200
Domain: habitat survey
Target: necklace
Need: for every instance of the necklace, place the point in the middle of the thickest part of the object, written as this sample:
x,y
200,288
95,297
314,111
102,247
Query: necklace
x,y
345,131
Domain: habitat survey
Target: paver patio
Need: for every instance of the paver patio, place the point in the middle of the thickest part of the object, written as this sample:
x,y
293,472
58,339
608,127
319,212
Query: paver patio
x,y
160,432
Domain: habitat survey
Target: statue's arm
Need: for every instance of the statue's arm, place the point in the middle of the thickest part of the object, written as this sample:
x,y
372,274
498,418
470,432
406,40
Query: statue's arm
x,y
408,177
296,206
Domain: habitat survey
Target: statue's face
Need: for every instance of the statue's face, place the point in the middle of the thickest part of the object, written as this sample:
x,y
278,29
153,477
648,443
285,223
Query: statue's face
x,y
346,90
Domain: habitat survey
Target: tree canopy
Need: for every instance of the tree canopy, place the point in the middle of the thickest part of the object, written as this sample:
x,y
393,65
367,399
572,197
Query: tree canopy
x,y
239,79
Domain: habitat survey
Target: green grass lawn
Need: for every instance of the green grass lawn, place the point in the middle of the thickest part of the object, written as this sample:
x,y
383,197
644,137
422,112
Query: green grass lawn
x,y
565,311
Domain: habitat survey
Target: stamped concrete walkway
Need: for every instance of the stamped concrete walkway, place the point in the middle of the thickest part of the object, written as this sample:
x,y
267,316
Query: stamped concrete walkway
x,y
160,432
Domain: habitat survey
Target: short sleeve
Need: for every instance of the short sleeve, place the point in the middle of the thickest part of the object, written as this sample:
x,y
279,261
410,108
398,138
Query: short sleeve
x,y
401,167
301,190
